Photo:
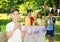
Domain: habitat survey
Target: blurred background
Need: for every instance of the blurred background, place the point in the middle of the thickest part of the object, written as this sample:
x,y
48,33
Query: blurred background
x,y
43,6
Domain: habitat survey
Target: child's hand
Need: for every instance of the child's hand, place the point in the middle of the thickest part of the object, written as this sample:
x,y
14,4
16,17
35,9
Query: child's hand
x,y
9,34
17,25
36,24
22,33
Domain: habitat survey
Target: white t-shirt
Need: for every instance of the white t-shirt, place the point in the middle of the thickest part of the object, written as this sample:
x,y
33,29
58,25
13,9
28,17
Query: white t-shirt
x,y
16,36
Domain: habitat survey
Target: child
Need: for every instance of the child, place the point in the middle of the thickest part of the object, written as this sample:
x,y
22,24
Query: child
x,y
50,28
29,19
14,31
40,22
28,22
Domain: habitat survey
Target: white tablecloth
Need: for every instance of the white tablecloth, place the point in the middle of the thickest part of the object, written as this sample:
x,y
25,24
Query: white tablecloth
x,y
40,37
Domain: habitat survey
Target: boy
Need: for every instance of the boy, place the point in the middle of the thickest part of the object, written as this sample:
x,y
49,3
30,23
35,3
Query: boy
x,y
13,28
50,28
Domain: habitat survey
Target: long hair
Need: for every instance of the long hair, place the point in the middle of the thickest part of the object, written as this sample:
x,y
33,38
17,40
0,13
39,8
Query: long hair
x,y
39,13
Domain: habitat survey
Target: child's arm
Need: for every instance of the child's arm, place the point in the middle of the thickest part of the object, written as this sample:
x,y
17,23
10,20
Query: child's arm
x,y
54,20
36,24
22,32
46,21
9,33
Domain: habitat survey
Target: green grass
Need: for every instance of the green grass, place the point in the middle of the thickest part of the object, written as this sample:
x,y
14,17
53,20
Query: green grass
x,y
3,28
57,32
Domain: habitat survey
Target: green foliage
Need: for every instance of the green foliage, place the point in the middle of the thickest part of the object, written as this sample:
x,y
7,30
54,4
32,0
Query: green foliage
x,y
7,5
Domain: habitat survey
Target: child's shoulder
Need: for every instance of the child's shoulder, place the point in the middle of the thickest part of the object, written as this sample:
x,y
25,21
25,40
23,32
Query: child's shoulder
x,y
10,23
54,18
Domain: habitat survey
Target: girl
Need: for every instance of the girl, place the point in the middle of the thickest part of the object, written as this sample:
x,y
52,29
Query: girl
x,y
40,22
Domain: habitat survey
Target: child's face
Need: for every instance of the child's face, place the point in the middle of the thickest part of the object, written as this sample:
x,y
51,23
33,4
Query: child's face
x,y
39,15
29,14
50,15
15,15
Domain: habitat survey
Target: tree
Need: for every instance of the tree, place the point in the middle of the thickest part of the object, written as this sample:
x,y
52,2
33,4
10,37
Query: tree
x,y
6,6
